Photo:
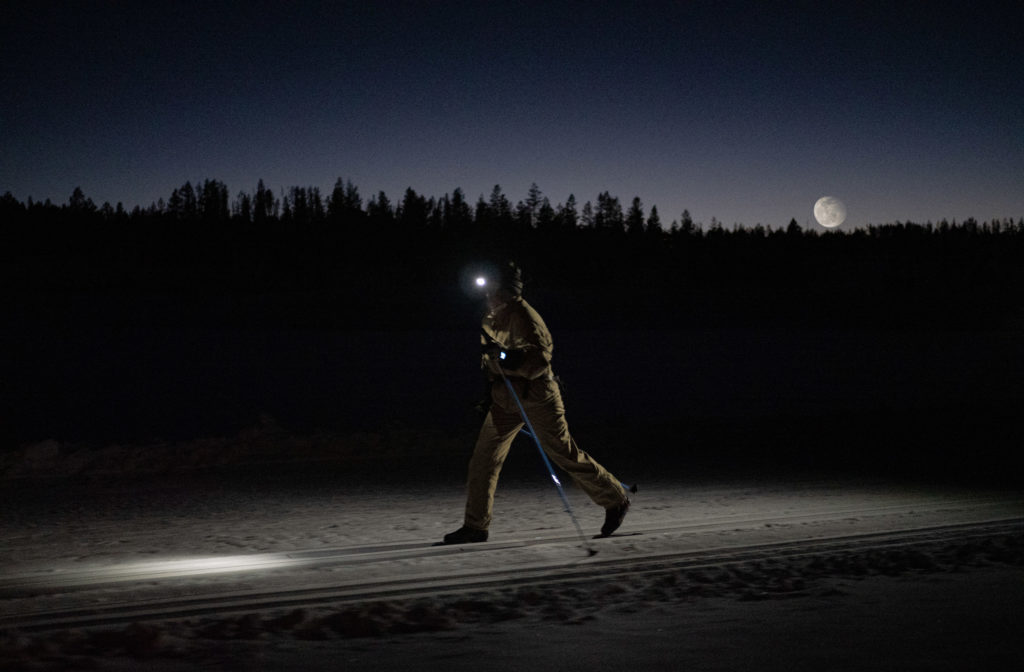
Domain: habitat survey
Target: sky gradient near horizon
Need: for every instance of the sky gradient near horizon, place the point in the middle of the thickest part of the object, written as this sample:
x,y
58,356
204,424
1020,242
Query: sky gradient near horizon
x,y
747,112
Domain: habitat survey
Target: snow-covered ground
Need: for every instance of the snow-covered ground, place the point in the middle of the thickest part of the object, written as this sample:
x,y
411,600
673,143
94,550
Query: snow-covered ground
x,y
938,601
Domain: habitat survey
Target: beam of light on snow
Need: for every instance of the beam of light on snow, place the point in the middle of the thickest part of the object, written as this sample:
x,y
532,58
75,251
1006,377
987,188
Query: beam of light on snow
x,y
198,566
150,570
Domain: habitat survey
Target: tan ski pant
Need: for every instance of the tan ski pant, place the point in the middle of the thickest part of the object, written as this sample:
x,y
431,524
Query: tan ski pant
x,y
544,407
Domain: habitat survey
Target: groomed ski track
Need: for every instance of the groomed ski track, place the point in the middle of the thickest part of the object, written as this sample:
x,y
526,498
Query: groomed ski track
x,y
56,598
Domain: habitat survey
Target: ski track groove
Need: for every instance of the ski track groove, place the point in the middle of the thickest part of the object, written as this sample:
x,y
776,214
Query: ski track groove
x,y
547,572
413,550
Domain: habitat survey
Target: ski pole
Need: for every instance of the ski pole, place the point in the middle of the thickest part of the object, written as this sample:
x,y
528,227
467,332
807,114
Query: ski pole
x,y
547,463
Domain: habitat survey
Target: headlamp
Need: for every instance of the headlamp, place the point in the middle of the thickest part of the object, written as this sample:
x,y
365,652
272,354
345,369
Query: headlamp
x,y
481,281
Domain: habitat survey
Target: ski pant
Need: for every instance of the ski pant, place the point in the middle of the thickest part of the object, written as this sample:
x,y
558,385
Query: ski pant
x,y
543,404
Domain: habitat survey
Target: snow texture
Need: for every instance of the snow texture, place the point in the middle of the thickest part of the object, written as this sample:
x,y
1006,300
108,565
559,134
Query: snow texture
x,y
935,603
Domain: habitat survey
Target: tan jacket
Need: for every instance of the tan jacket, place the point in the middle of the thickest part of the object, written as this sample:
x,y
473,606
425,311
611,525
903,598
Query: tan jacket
x,y
517,326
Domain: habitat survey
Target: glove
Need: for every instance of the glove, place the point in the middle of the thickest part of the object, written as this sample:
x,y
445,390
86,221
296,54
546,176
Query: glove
x,y
511,359
508,359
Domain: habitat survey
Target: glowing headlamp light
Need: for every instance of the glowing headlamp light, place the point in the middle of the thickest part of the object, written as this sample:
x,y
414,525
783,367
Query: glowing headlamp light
x,y
481,281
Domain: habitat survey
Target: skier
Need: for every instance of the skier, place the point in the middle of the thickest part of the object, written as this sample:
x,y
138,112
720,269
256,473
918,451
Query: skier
x,y
516,342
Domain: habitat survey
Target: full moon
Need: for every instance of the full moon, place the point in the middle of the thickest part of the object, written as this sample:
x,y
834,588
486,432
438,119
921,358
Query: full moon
x,y
829,211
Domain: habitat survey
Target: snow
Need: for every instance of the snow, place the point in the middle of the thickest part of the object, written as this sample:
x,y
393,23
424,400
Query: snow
x,y
200,510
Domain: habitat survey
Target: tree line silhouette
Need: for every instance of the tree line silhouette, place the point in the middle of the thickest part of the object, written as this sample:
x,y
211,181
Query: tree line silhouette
x,y
599,262
208,202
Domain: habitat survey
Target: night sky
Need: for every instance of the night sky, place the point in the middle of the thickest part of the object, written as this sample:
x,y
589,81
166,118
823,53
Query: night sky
x,y
745,112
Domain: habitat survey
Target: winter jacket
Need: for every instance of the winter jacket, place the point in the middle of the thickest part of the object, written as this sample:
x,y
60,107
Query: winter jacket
x,y
518,329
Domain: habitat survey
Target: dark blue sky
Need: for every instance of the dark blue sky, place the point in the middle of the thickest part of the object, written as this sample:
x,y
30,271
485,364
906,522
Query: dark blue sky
x,y
746,112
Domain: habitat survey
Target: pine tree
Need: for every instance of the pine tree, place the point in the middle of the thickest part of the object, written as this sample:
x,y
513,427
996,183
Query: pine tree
x,y
174,206
653,222
546,219
336,202
686,225
412,214
242,210
499,205
533,203
457,216
380,212
212,202
609,213
587,217
265,205
189,205
568,218
635,218
79,204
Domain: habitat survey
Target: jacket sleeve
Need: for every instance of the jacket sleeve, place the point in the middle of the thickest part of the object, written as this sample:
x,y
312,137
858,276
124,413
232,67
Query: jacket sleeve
x,y
533,344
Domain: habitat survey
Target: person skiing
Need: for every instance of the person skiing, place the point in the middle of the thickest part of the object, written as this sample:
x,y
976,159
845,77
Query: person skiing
x,y
516,344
